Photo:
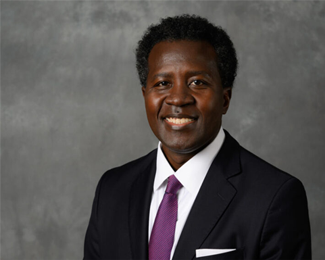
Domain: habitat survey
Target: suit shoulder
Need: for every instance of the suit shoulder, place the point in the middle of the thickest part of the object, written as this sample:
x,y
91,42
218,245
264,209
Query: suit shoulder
x,y
130,170
266,173
261,182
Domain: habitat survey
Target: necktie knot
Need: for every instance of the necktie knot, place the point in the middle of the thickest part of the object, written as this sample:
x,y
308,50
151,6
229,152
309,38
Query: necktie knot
x,y
173,185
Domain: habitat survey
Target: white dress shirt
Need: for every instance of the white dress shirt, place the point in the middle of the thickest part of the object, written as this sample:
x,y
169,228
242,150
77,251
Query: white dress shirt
x,y
190,175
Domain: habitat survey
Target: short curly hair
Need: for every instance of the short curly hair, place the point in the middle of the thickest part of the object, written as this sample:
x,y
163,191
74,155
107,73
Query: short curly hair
x,y
192,28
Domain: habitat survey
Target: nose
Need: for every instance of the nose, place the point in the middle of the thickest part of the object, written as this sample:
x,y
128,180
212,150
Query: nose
x,y
179,95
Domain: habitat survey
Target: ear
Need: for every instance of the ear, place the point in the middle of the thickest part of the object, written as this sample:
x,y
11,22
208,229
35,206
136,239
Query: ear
x,y
226,99
143,91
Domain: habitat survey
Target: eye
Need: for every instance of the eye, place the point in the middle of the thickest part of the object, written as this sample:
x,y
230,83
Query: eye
x,y
197,83
162,84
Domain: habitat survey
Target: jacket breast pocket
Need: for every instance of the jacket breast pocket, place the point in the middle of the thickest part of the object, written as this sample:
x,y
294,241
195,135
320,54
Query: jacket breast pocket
x,y
236,254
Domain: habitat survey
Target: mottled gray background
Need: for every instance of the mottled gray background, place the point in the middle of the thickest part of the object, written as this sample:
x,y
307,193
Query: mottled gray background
x,y
71,106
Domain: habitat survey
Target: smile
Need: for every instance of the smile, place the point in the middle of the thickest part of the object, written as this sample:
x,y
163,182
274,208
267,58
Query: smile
x,y
179,121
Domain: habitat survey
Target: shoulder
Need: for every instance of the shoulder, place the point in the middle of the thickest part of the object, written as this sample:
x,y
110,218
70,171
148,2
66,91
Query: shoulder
x,y
128,172
267,177
271,200
258,175
253,163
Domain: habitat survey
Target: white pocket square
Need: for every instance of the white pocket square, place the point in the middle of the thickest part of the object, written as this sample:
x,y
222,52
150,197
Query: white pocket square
x,y
208,252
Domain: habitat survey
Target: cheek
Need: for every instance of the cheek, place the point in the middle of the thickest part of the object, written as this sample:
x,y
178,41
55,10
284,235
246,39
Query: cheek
x,y
211,110
153,104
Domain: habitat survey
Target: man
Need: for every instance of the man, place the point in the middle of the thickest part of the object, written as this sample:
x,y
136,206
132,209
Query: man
x,y
200,194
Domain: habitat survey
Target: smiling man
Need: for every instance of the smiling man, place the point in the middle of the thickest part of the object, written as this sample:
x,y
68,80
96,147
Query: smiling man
x,y
199,194
184,97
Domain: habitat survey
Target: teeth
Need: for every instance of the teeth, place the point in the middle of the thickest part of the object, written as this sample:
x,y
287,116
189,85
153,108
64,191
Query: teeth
x,y
179,120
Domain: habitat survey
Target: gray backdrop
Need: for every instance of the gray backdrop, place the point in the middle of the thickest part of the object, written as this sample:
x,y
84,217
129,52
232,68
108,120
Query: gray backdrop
x,y
71,106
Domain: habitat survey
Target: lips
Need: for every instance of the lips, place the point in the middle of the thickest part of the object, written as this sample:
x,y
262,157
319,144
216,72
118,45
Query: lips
x,y
179,121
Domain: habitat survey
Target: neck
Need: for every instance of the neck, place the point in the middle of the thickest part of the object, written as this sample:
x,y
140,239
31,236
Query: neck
x,y
177,160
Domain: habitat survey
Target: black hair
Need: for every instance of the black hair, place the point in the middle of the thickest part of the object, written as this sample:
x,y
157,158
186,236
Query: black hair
x,y
192,28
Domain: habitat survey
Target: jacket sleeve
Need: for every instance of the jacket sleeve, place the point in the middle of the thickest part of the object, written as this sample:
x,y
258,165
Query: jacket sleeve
x,y
286,232
91,246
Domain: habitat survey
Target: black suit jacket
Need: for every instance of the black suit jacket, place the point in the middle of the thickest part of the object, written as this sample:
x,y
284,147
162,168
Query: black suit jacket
x,y
244,203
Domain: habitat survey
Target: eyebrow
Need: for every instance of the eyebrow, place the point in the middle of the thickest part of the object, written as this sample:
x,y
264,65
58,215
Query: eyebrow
x,y
190,73
163,74
198,72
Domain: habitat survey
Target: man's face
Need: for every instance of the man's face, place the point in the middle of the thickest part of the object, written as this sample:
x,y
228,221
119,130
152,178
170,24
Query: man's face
x,y
184,97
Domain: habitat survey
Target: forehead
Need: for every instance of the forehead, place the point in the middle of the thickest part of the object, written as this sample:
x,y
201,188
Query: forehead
x,y
182,51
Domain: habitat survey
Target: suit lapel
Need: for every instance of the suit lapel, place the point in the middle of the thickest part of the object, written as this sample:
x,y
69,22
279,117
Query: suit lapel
x,y
140,199
215,195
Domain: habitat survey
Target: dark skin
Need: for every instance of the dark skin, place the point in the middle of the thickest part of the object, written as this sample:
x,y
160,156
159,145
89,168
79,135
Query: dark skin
x,y
184,98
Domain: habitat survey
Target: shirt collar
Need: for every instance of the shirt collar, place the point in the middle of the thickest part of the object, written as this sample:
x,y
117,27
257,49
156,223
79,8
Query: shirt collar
x,y
193,172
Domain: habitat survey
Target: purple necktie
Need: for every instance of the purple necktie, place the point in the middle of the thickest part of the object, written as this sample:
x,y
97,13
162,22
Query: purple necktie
x,y
163,231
